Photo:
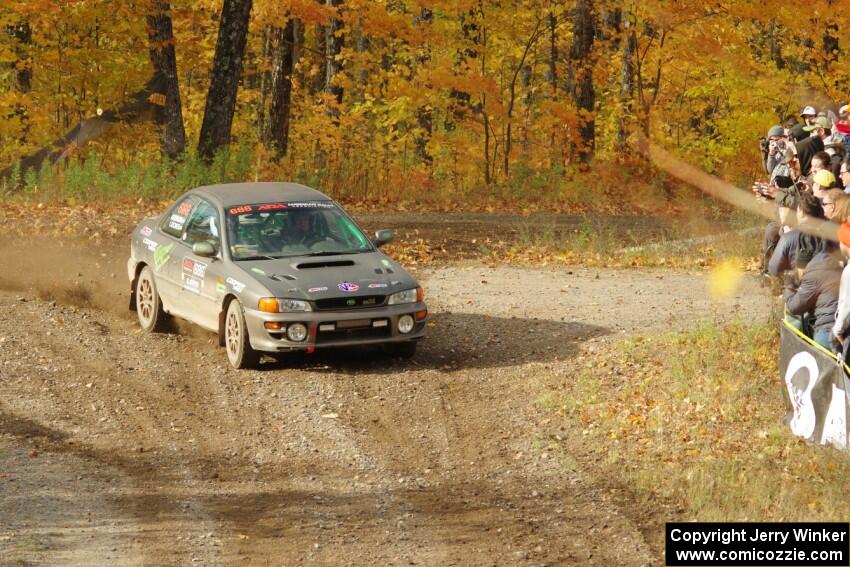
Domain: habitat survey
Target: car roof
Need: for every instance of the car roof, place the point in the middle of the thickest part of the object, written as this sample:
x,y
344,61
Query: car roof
x,y
230,194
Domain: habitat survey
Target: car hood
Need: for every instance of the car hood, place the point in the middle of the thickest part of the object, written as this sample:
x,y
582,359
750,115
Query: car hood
x,y
321,277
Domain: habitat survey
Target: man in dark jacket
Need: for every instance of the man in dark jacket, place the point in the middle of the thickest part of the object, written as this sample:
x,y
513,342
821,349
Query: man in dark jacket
x,y
806,149
817,294
784,257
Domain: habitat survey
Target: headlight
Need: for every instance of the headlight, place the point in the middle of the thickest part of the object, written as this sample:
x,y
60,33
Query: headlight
x,y
275,305
294,305
406,296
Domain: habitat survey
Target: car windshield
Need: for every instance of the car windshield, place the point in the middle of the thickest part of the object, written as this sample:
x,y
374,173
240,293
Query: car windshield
x,y
280,230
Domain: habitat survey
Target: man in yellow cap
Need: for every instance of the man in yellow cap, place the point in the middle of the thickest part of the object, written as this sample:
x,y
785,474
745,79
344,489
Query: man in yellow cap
x,y
821,181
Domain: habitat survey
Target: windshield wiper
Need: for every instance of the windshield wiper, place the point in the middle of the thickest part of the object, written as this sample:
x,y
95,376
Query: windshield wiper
x,y
259,257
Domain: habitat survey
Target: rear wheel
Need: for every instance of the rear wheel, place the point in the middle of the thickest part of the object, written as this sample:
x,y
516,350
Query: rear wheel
x,y
148,304
401,350
236,342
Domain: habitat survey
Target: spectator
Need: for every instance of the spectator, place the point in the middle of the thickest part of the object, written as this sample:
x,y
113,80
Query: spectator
x,y
786,199
776,149
808,147
817,294
835,148
822,180
797,133
842,315
844,174
836,205
821,127
808,115
789,168
821,160
842,127
785,256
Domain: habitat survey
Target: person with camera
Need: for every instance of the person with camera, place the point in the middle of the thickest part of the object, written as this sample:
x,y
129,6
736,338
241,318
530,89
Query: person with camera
x,y
774,148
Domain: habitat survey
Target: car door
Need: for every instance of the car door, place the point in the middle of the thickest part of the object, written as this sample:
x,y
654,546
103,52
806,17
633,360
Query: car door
x,y
201,277
166,256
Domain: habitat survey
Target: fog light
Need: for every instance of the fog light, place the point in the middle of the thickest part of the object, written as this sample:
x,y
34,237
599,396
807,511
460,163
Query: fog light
x,y
273,325
296,332
405,324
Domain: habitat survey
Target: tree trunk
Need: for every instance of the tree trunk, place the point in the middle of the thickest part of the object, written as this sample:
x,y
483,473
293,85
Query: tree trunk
x,y
265,82
224,81
283,63
162,55
529,44
774,46
553,53
22,35
581,75
469,26
423,113
830,44
334,42
627,86
141,106
486,119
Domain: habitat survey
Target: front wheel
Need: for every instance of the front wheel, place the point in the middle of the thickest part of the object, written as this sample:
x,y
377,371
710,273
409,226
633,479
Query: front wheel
x,y
236,342
148,304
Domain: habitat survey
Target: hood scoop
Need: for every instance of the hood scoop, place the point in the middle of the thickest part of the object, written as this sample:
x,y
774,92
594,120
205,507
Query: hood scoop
x,y
324,264
282,277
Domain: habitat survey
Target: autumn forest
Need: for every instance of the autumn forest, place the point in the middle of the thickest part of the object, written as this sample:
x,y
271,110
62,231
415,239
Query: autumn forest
x,y
397,98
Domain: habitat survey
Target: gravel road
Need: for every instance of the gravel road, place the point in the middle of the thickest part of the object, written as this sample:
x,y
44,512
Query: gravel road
x,y
118,447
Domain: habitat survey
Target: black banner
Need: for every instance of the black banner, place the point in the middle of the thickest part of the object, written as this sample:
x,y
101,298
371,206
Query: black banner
x,y
815,390
758,544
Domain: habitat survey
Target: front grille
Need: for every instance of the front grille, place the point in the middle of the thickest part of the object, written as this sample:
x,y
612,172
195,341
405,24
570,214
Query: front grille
x,y
340,335
360,302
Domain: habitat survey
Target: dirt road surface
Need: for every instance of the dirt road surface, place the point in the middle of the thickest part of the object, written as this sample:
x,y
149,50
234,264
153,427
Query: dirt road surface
x,y
122,448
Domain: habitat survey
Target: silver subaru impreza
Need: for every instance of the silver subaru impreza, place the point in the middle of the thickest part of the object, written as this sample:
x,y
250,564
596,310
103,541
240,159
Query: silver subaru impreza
x,y
272,267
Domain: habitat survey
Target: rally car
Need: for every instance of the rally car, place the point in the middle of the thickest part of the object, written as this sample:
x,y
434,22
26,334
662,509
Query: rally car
x,y
272,267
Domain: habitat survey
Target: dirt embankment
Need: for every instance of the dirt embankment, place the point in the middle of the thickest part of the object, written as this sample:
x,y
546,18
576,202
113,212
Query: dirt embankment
x,y
118,447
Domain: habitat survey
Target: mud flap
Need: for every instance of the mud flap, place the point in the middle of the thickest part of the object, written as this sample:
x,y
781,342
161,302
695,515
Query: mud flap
x,y
221,315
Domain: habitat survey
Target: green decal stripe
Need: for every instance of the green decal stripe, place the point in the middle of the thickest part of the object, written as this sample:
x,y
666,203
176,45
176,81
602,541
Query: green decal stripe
x,y
161,256
345,225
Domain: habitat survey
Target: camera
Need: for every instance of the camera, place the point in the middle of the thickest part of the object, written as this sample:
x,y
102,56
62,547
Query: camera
x,y
764,145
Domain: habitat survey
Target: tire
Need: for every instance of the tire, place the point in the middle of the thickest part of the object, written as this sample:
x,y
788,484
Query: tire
x,y
236,341
401,350
148,304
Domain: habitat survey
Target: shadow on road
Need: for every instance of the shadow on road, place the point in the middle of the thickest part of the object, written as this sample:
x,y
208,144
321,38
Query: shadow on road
x,y
456,341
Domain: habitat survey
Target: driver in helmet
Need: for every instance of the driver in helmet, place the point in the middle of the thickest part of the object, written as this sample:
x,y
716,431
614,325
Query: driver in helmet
x,y
300,228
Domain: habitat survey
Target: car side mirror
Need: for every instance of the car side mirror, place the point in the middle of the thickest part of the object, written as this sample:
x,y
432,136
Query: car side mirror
x,y
383,236
203,249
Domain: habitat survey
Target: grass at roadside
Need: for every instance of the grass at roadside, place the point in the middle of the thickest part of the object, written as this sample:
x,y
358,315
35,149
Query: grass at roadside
x,y
601,241
695,420
689,243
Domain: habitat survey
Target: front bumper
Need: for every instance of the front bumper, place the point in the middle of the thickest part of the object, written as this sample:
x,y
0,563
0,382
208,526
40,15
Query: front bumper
x,y
336,328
